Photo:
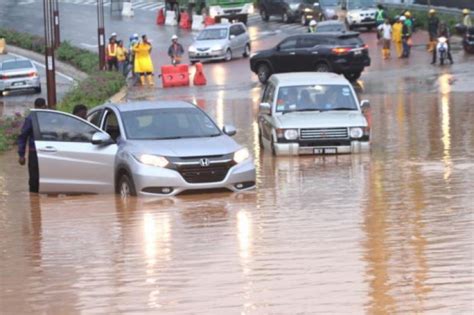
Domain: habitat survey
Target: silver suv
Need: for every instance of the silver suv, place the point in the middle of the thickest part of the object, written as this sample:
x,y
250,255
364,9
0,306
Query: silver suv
x,y
147,148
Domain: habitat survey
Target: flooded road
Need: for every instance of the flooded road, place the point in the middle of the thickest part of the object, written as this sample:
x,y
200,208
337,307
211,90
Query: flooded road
x,y
390,232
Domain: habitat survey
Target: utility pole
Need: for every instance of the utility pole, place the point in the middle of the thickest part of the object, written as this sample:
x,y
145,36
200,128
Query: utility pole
x,y
57,37
49,52
101,33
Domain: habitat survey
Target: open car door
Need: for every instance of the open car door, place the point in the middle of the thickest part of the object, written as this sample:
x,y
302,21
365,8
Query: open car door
x,y
74,156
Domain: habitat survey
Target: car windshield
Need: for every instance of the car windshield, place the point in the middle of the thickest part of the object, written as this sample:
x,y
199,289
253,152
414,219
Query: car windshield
x,y
360,4
293,1
13,65
212,34
330,28
168,123
330,3
315,98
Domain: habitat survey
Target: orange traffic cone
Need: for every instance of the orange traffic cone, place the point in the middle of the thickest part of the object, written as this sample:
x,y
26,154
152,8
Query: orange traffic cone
x,y
160,17
199,78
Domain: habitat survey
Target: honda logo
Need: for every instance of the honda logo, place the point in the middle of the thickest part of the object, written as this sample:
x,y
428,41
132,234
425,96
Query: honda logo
x,y
204,162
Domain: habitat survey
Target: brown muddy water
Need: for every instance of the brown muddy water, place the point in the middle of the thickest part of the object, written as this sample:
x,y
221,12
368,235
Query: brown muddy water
x,y
390,232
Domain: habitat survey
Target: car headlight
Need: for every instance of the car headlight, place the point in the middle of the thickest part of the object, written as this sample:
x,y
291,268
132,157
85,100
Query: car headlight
x,y
307,10
356,133
153,160
192,49
241,155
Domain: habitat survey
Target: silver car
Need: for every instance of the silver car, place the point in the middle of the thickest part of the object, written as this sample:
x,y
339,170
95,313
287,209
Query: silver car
x,y
19,74
312,113
144,148
220,42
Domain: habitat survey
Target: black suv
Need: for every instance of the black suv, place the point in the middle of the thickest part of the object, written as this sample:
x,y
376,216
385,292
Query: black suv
x,y
289,10
342,52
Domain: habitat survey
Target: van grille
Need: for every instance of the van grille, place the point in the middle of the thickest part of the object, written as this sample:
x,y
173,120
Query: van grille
x,y
323,133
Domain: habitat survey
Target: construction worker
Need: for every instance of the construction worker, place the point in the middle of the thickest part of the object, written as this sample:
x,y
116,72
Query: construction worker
x,y
312,26
409,21
385,30
143,65
433,26
443,32
122,57
111,53
466,21
397,36
406,37
380,17
175,51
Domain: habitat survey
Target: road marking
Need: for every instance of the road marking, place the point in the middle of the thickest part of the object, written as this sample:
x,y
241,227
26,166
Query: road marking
x,y
44,66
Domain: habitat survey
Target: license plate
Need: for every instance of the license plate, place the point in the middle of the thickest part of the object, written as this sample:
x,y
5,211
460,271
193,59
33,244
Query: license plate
x,y
19,83
358,52
325,151
202,54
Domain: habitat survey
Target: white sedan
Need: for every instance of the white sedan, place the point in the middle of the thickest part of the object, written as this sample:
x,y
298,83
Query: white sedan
x,y
312,113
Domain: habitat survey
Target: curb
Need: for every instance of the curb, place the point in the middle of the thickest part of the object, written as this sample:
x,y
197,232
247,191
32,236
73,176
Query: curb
x,y
120,96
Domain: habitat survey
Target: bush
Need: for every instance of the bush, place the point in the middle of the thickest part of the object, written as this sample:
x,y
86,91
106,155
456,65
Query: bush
x,y
10,128
93,91
421,18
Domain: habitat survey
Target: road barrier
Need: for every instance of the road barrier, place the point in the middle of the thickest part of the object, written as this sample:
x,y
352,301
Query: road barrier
x,y
173,76
199,78
170,18
160,17
3,46
209,21
198,22
184,21
127,9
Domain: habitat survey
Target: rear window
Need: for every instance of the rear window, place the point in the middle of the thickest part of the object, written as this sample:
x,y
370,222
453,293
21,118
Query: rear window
x,y
348,41
20,64
330,28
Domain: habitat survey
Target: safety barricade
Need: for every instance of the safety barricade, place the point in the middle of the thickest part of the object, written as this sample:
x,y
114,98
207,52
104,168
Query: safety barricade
x,y
172,76
160,17
184,21
209,21
199,77
127,9
170,18
198,22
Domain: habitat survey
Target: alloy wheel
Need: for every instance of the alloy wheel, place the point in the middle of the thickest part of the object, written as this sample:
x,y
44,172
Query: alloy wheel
x,y
124,190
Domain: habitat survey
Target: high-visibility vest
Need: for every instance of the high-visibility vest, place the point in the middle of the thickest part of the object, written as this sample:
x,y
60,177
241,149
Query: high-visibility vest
x,y
379,16
112,50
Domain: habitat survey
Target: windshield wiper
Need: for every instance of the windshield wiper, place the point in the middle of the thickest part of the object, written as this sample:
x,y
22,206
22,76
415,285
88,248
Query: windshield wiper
x,y
166,138
301,110
343,108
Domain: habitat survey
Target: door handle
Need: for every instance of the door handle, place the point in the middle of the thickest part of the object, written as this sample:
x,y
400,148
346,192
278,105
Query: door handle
x,y
292,53
48,149
315,52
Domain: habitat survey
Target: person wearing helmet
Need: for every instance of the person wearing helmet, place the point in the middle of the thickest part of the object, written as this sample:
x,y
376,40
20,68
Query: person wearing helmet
x,y
433,25
467,18
443,31
133,40
397,36
312,26
143,65
406,37
175,51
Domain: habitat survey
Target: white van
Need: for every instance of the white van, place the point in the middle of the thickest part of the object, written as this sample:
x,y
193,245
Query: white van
x,y
360,13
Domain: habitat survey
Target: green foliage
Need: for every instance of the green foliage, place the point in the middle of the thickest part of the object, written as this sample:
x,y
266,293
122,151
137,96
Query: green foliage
x,y
421,18
10,128
93,91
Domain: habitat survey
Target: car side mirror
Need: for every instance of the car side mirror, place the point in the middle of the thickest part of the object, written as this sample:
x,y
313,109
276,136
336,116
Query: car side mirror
x,y
265,108
365,104
101,138
229,130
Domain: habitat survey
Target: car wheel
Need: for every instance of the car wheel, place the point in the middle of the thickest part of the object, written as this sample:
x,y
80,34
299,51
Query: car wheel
x,y
260,140
322,67
273,148
303,20
228,55
263,73
352,76
285,17
247,51
126,188
264,15
38,90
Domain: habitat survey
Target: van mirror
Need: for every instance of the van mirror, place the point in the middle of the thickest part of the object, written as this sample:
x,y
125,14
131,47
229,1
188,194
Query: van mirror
x,y
365,104
265,108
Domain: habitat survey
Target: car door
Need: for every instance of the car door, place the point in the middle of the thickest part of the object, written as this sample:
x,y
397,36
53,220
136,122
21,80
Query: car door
x,y
68,161
265,120
234,39
285,56
241,38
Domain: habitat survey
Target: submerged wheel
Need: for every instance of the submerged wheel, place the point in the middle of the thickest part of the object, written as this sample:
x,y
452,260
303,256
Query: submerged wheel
x,y
247,51
125,186
228,55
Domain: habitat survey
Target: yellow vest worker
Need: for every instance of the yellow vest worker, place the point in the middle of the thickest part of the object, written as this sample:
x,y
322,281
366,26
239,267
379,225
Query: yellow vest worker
x,y
397,37
143,64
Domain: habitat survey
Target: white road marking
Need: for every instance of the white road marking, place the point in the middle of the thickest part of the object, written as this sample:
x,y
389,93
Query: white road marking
x,y
44,66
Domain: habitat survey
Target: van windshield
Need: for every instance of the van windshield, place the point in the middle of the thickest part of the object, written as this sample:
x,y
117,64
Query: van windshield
x,y
360,4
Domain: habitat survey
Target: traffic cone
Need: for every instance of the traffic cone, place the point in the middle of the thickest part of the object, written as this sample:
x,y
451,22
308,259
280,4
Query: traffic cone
x,y
160,17
199,78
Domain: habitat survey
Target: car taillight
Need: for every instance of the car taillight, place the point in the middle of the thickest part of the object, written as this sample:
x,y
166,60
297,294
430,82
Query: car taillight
x,y
33,74
341,50
366,46
3,77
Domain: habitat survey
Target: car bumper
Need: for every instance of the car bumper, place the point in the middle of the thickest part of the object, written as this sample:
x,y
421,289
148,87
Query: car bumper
x,y
343,65
146,177
296,149
20,84
362,23
217,55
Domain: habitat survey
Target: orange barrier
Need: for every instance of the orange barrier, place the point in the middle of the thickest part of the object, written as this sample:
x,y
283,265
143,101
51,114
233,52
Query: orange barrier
x,y
199,78
175,75
160,17
209,21
185,21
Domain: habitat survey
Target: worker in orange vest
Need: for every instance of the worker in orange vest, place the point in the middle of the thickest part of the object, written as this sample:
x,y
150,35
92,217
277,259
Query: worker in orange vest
x,y
111,53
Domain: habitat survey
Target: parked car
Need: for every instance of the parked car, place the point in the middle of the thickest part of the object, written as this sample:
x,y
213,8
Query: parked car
x,y
19,74
312,113
360,13
290,10
329,9
220,42
142,148
343,53
331,27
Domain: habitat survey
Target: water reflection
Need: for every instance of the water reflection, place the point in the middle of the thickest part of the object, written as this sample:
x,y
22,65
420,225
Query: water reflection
x,y
445,89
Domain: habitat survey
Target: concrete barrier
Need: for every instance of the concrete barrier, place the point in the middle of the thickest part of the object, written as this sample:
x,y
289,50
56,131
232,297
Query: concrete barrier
x,y
170,18
3,46
198,22
127,9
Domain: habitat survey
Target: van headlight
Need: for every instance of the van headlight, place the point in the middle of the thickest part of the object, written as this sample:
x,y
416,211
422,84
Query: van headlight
x,y
153,160
241,155
356,133
291,134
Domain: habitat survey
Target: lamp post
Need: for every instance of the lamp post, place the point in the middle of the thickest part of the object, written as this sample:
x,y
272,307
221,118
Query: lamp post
x,y
57,38
49,52
101,33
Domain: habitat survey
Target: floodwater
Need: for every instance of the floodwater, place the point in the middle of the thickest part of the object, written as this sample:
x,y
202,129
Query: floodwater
x,y
390,232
